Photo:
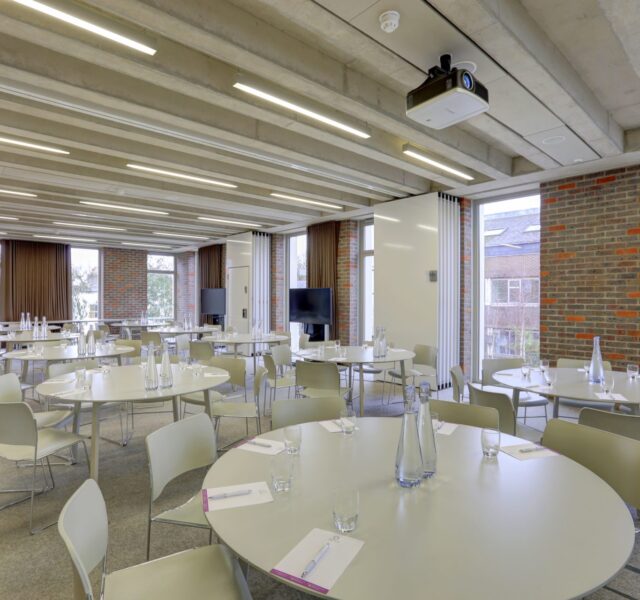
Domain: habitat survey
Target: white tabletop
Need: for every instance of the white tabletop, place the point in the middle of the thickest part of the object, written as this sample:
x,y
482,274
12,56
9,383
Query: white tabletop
x,y
572,384
57,352
480,529
138,323
353,355
174,330
126,384
26,337
244,338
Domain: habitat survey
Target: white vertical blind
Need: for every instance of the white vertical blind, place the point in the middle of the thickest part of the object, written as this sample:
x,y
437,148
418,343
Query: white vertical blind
x,y
448,286
261,280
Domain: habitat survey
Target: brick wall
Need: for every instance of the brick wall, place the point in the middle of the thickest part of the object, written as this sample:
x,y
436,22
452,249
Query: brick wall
x,y
124,283
347,295
185,284
466,284
278,283
590,266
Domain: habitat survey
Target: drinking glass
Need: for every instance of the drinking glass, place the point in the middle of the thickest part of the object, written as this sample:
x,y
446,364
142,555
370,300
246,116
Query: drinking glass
x,y
338,348
184,358
106,369
490,439
608,382
586,367
281,472
526,369
81,375
348,420
544,365
30,348
436,421
632,372
549,376
292,439
346,502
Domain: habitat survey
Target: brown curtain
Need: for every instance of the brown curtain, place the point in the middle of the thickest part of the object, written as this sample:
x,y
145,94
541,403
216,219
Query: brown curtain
x,y
322,263
36,278
211,260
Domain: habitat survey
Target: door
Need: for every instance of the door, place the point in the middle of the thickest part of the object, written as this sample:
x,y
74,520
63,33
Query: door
x,y
238,297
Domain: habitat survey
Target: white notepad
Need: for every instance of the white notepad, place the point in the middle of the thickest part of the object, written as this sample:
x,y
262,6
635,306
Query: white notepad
x,y
612,397
214,498
445,428
263,446
342,550
331,426
523,451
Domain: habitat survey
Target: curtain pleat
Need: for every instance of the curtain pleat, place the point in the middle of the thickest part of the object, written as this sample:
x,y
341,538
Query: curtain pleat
x,y
261,284
36,278
322,263
211,266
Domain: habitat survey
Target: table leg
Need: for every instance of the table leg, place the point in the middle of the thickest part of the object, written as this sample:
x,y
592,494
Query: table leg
x,y
255,349
403,376
207,402
176,408
95,440
516,401
556,406
361,391
350,382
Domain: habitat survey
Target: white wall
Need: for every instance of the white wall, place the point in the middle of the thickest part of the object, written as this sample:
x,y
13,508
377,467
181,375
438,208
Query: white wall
x,y
406,249
239,252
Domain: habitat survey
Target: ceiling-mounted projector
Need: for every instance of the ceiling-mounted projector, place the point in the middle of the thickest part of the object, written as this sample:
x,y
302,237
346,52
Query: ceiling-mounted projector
x,y
447,97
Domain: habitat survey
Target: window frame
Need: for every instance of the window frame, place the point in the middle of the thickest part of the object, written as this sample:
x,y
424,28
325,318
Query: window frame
x,y
100,310
361,276
287,273
163,272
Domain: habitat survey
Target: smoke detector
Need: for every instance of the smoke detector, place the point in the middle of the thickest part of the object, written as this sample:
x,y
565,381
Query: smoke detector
x,y
389,21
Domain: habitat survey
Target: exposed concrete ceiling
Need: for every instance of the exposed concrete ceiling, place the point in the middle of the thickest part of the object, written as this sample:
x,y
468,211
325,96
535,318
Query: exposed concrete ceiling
x,y
568,69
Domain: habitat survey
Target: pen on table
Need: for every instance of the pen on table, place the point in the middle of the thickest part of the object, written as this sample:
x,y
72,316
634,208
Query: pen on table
x,y
313,563
261,444
531,449
230,495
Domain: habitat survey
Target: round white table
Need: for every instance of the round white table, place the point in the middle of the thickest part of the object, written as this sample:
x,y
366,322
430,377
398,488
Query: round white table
x,y
358,355
126,384
241,339
572,384
65,353
170,331
482,529
26,337
137,324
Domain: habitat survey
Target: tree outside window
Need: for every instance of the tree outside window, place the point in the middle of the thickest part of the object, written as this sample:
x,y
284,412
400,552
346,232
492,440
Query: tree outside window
x,y
160,286
85,265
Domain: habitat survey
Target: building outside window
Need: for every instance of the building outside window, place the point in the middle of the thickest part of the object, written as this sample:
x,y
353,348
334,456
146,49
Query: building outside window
x,y
297,275
161,292
85,278
510,266
366,282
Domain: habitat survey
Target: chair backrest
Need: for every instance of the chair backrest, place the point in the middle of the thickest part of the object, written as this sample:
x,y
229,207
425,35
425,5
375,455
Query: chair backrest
x,y
56,369
183,343
425,355
104,328
493,365
98,334
304,410
270,365
84,529
303,340
318,375
17,425
10,390
627,425
68,327
578,363
466,414
457,382
135,344
501,402
614,458
125,333
258,382
281,355
200,350
236,367
179,447
151,337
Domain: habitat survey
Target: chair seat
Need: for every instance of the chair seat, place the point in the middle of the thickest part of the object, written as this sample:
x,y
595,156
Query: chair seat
x,y
51,418
209,572
370,369
323,392
198,398
397,373
532,400
245,410
189,513
282,382
50,441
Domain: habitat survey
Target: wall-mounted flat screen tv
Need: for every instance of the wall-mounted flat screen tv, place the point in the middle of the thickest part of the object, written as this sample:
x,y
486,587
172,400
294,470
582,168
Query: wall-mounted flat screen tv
x,y
310,305
213,301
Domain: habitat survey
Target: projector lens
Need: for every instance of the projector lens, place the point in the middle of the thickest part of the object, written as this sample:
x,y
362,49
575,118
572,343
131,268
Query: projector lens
x,y
467,80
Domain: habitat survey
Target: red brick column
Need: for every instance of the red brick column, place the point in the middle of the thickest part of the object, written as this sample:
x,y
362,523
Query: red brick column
x,y
124,283
185,284
466,284
348,270
590,266
278,283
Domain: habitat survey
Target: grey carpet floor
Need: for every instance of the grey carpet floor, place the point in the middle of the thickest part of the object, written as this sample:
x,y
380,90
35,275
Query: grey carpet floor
x,y
38,566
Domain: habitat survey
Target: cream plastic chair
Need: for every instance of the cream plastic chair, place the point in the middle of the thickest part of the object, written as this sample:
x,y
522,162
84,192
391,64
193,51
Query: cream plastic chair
x,y
20,440
305,410
621,424
466,414
131,358
319,380
303,340
10,391
275,381
183,343
457,383
614,458
200,351
173,450
282,357
500,401
425,356
210,572
578,363
151,337
526,399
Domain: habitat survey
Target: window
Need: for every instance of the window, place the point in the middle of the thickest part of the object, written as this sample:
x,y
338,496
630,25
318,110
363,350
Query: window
x,y
366,282
160,286
297,275
85,269
509,263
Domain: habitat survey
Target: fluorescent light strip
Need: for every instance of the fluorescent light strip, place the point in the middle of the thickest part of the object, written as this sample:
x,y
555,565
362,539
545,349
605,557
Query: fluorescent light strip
x,y
391,219
9,218
436,164
25,194
4,140
85,226
146,245
3,233
147,211
307,201
61,237
86,25
227,221
180,175
300,110
181,235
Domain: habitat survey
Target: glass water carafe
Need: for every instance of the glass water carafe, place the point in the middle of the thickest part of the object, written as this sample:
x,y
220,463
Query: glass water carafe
x,y
151,372
425,430
409,465
596,368
166,376
91,343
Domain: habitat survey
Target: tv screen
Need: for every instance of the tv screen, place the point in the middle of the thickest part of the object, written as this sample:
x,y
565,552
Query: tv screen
x,y
310,305
213,301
